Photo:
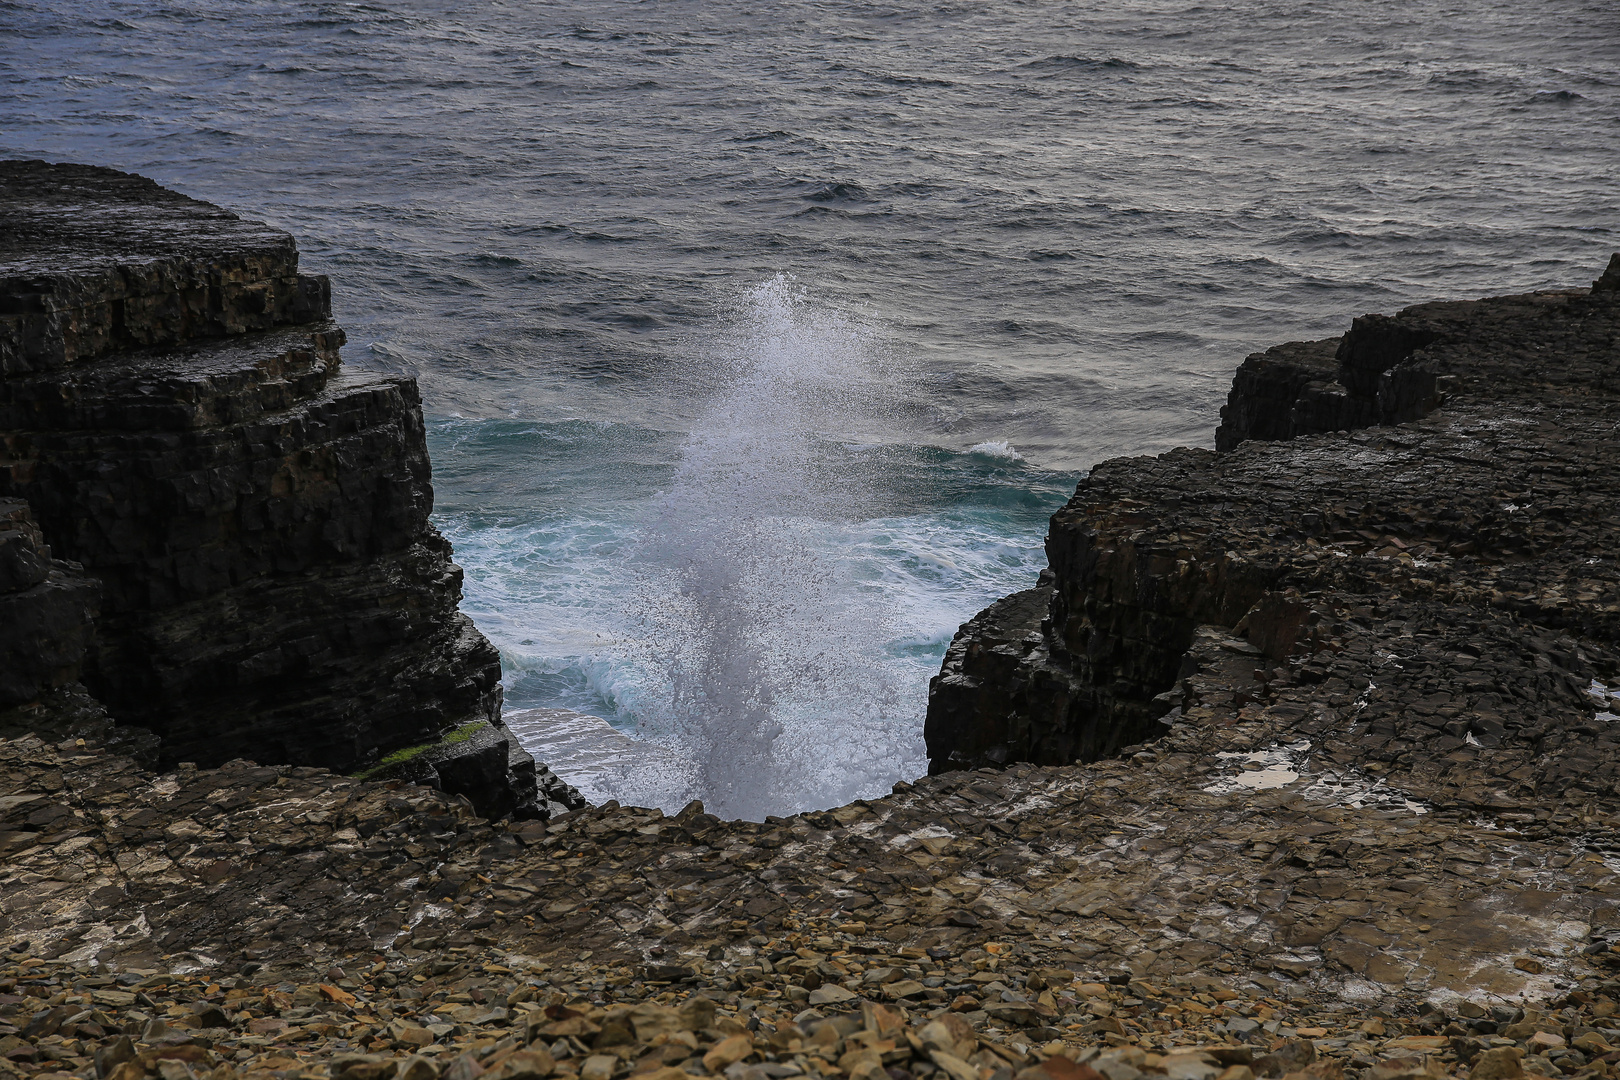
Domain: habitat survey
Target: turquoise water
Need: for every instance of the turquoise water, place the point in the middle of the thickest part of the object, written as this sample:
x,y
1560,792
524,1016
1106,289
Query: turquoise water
x,y
770,590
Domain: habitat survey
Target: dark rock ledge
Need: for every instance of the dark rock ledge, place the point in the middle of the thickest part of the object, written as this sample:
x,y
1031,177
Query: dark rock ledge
x,y
252,569
1411,531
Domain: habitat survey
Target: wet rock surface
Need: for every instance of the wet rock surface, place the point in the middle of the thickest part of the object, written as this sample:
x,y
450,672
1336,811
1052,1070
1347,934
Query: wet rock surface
x,y
251,520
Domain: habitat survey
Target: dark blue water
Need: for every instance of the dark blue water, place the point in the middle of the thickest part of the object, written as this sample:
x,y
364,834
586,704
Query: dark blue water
x,y
1046,230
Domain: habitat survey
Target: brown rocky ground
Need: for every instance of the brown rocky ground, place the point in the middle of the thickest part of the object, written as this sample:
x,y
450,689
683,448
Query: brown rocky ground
x,y
503,1018
200,912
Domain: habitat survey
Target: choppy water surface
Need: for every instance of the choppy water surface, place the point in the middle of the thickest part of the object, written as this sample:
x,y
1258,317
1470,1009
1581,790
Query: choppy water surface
x,y
712,303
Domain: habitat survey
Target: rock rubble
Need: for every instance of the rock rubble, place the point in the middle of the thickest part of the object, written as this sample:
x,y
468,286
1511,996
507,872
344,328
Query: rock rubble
x,y
1022,924
1179,863
491,1014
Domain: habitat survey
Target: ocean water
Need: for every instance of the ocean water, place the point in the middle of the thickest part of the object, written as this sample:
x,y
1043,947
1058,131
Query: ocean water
x,y
759,340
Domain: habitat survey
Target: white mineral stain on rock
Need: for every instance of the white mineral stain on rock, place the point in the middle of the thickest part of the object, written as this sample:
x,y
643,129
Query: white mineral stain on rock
x,y
1607,699
1282,765
1274,767
1357,790
917,836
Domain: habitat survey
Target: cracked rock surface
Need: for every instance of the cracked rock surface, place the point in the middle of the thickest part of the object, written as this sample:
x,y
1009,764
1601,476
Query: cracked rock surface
x,y
1163,866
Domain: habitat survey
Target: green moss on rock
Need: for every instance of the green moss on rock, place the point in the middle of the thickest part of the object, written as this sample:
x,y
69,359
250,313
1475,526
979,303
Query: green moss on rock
x,y
398,763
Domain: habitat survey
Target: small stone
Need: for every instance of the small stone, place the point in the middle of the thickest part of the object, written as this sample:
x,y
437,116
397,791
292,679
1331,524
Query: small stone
x,y
1404,1068
1592,1043
1290,1057
531,1064
417,1067
1190,1066
333,993
954,1067
1501,1063
905,988
730,1049
1427,1043
1057,1066
465,1067
831,994
114,1054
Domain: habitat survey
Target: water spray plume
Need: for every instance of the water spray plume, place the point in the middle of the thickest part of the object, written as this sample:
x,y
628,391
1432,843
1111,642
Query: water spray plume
x,y
762,630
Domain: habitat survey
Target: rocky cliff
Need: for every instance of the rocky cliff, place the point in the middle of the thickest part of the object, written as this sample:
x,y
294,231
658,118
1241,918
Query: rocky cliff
x,y
1410,529
250,518
1374,834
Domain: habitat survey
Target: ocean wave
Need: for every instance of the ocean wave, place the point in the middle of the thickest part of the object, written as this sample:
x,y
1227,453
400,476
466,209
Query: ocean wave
x,y
1079,63
839,191
897,79
1000,449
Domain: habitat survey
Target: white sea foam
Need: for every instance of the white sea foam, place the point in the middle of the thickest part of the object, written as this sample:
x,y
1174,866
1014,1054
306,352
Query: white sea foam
x,y
998,448
600,760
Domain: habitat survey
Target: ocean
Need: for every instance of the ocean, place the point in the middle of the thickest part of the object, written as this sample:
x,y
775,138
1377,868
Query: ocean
x,y
758,341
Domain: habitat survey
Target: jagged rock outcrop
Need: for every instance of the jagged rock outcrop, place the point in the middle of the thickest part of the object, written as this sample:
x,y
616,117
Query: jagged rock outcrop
x,y
46,606
1447,588
173,410
1378,373
47,614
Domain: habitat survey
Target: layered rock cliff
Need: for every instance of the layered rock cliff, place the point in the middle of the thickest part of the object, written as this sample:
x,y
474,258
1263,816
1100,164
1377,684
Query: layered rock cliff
x,y
1381,670
251,518
1410,530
